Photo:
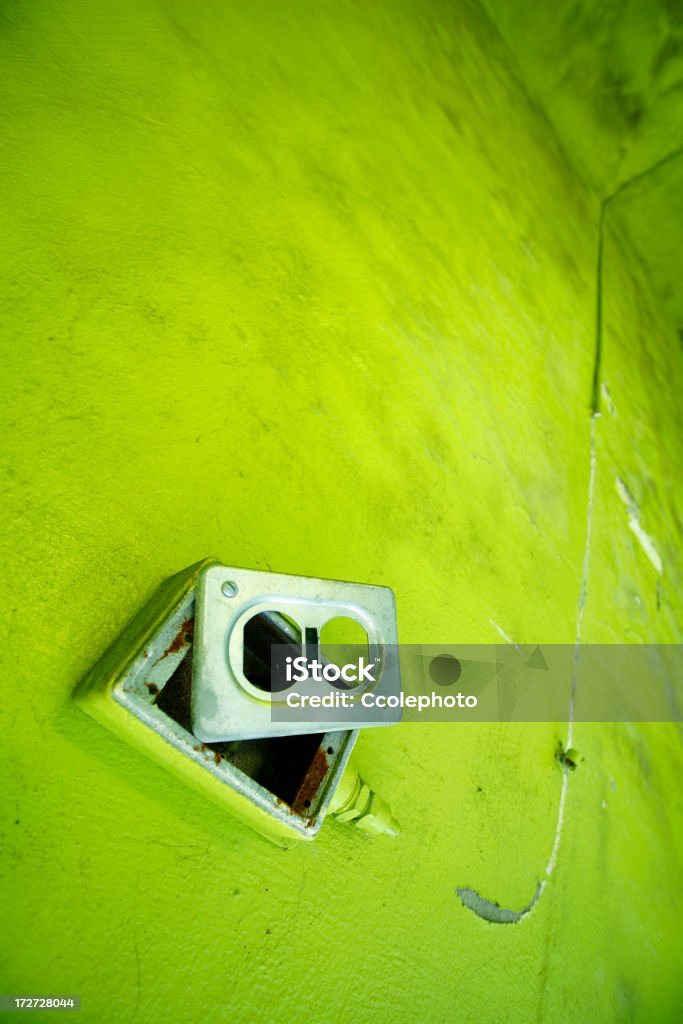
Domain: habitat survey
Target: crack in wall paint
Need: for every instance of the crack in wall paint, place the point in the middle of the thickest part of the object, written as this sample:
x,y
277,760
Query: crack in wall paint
x,y
489,910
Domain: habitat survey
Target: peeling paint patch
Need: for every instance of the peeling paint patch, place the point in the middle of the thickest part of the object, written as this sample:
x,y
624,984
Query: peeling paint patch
x,y
493,912
607,400
644,539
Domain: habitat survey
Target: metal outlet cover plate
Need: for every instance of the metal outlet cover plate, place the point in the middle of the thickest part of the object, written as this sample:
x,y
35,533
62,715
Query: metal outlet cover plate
x,y
225,704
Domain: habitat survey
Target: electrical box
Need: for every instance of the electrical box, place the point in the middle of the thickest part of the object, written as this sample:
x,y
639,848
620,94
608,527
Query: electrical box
x,y
191,645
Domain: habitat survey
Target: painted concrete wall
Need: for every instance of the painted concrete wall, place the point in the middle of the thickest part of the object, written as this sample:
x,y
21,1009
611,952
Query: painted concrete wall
x,y
609,76
312,286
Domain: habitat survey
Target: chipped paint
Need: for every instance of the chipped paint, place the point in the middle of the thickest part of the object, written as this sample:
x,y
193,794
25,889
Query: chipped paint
x,y
493,912
646,542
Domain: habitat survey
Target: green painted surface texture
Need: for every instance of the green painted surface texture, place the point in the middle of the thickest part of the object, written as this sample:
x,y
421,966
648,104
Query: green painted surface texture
x,y
311,286
609,75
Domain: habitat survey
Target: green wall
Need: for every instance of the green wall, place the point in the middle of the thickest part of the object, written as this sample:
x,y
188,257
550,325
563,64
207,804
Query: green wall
x,y
312,286
608,74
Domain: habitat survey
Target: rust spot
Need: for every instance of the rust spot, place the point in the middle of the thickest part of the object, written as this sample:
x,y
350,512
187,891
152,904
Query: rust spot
x,y
153,688
312,782
184,637
174,700
217,758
